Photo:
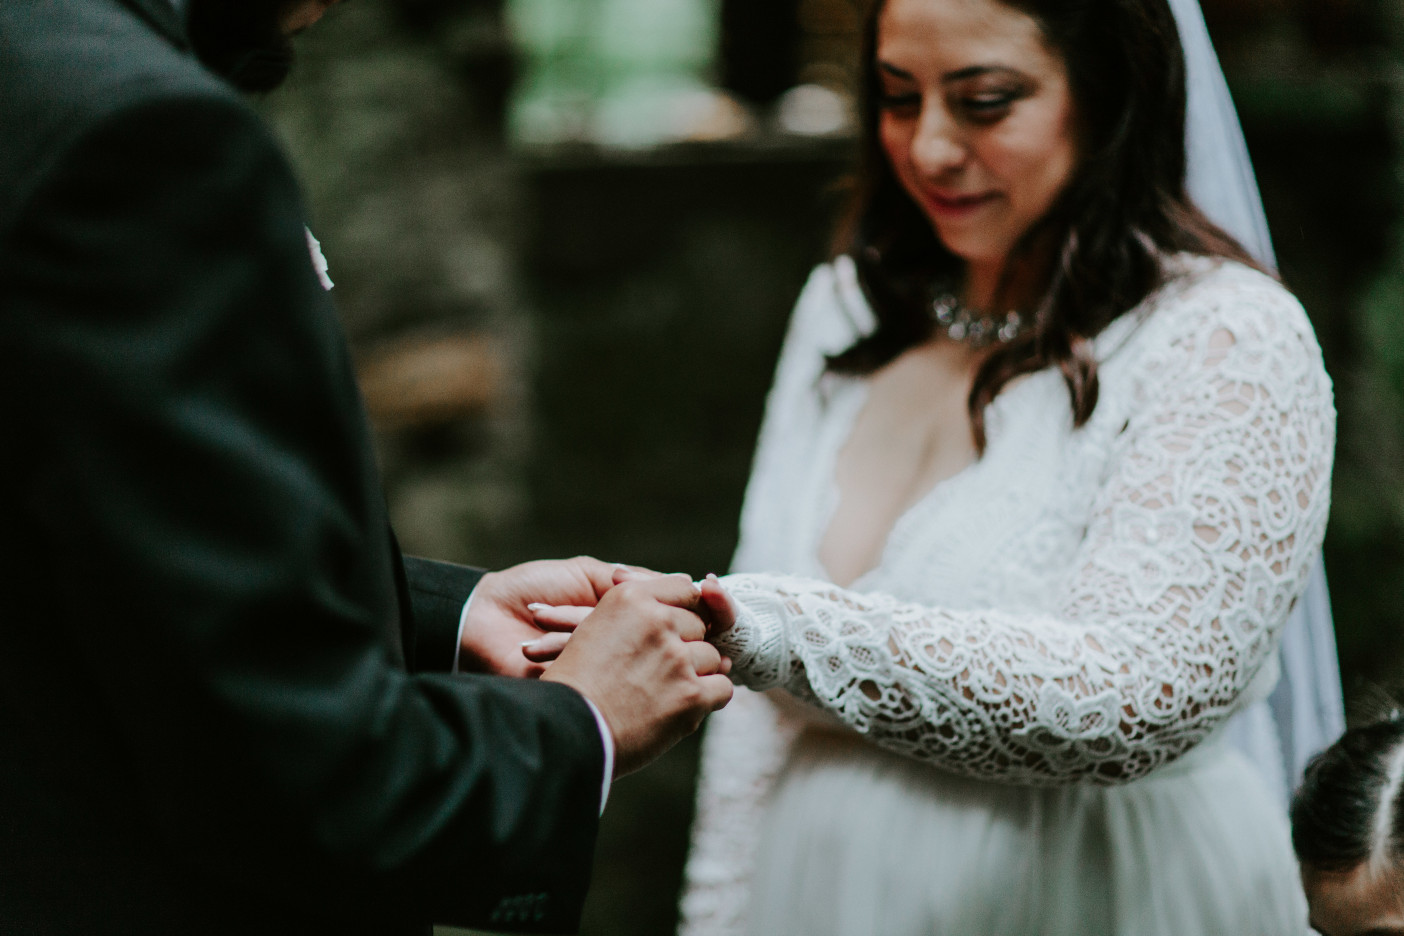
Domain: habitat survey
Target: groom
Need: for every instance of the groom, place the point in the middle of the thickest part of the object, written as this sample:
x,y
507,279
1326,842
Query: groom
x,y
227,704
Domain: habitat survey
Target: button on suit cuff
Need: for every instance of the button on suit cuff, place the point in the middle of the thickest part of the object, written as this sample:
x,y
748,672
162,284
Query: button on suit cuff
x,y
608,739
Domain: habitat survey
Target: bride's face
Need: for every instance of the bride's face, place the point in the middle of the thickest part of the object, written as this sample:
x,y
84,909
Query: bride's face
x,y
976,118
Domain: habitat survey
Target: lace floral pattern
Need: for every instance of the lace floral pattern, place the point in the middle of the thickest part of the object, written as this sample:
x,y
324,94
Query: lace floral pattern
x,y
1147,586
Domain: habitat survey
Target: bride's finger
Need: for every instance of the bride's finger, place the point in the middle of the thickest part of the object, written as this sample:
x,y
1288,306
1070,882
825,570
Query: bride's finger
x,y
721,611
546,648
559,617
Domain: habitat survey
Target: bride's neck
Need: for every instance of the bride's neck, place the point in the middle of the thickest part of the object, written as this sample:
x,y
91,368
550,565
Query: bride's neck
x,y
987,285
982,285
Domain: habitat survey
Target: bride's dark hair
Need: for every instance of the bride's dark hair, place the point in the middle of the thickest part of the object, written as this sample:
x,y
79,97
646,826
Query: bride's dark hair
x,y
1102,242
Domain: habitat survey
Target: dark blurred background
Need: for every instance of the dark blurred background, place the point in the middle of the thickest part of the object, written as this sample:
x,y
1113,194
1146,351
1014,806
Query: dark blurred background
x,y
566,235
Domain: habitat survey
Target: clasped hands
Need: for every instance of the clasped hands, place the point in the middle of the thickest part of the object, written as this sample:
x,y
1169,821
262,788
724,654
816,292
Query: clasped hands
x,y
632,641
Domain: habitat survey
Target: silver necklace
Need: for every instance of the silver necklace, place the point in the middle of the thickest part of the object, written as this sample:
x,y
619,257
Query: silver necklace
x,y
976,329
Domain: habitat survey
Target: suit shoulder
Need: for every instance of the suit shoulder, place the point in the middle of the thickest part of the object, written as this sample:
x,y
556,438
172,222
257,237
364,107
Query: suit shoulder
x,y
71,65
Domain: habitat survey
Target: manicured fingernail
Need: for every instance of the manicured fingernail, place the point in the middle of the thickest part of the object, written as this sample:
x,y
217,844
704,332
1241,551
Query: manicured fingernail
x,y
528,644
536,606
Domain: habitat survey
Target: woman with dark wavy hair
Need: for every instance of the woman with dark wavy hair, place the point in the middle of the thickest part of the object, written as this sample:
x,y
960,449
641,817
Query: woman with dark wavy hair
x,y
1044,469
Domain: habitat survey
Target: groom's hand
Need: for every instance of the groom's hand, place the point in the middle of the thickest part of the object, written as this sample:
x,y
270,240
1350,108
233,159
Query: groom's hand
x,y
500,617
640,657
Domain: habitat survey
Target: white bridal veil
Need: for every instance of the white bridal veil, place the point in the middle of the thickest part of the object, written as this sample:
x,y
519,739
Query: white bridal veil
x,y
1305,712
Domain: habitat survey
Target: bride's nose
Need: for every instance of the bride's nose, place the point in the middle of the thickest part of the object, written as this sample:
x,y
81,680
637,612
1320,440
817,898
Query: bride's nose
x,y
938,146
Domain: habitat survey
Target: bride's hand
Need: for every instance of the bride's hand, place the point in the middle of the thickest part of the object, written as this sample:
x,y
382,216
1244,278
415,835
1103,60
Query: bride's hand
x,y
560,621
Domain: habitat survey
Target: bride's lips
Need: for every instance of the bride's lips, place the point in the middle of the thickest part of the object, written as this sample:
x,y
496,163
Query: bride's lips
x,y
956,206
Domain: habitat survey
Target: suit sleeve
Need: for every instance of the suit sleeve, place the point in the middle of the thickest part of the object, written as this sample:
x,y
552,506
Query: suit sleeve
x,y
437,593
203,468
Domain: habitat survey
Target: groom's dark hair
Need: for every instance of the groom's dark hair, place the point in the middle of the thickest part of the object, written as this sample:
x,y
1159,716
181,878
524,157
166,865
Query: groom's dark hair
x,y
242,41
1102,243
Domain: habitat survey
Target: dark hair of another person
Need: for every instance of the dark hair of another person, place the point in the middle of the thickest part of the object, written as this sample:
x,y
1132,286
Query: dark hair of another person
x,y
1102,242
1336,811
242,41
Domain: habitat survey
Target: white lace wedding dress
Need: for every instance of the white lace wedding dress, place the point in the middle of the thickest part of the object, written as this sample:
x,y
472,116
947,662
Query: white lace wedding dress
x,y
1012,725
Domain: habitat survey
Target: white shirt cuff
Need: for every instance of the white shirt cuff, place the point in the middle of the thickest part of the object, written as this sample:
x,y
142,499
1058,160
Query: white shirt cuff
x,y
606,738
462,623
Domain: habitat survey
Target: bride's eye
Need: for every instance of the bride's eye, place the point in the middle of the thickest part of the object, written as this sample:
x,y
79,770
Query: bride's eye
x,y
987,108
904,102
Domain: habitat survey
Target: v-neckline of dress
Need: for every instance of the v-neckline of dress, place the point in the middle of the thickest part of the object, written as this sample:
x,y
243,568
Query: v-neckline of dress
x,y
833,495
1106,344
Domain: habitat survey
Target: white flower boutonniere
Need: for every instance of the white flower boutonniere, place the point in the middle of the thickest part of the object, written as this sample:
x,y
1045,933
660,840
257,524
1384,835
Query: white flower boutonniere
x,y
319,262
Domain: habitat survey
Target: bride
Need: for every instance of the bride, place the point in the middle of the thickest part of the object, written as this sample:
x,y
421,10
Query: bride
x,y
1043,473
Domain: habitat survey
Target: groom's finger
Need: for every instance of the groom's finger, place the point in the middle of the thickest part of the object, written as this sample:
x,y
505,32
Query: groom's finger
x,y
632,573
677,591
599,574
706,659
716,691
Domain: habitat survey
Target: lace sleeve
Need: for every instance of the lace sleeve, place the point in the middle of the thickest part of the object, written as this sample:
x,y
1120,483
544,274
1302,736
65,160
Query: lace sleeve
x,y
1200,540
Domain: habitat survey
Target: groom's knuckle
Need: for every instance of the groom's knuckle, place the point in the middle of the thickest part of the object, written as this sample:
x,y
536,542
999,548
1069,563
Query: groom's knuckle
x,y
690,695
625,596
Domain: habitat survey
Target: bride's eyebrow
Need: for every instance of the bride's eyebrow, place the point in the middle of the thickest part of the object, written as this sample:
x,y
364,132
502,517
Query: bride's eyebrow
x,y
974,71
960,74
895,72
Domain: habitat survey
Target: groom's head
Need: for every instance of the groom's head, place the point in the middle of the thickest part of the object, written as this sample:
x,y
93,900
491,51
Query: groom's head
x,y
249,42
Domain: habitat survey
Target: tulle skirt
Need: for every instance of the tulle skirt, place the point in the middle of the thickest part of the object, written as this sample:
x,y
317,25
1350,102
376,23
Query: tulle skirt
x,y
859,842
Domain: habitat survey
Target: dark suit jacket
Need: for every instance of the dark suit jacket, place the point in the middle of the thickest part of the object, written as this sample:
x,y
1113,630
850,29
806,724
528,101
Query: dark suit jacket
x,y
216,713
